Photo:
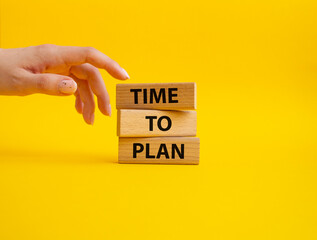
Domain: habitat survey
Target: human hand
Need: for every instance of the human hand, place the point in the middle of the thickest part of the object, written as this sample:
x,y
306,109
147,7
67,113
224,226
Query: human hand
x,y
59,71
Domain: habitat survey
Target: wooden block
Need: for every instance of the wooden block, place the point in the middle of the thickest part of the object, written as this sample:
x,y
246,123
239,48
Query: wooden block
x,y
172,96
145,123
164,150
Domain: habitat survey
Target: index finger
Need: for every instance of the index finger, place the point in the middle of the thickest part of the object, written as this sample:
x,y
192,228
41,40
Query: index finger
x,y
72,55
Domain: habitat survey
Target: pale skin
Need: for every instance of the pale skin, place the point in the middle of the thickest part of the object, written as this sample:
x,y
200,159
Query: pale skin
x,y
60,71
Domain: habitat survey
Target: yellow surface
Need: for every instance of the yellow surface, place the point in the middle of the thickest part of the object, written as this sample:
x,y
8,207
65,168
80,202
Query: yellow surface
x,y
255,64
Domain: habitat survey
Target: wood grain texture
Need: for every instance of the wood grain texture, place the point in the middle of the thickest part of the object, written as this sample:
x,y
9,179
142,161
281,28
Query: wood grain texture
x,y
157,92
161,150
151,123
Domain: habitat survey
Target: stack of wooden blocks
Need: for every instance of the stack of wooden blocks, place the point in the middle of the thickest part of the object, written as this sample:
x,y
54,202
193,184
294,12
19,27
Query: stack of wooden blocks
x,y
155,124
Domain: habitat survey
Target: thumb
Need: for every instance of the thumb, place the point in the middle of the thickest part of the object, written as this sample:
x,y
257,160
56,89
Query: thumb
x,y
52,84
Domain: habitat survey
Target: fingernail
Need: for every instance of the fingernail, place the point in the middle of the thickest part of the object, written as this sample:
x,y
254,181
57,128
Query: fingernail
x,y
67,86
92,119
108,109
126,74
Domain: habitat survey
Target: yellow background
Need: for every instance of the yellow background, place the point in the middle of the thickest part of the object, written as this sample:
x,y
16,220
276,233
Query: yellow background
x,y
255,65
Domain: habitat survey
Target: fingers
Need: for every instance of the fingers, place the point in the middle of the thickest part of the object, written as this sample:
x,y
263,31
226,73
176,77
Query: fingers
x,y
51,84
87,97
82,63
78,55
92,74
79,105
